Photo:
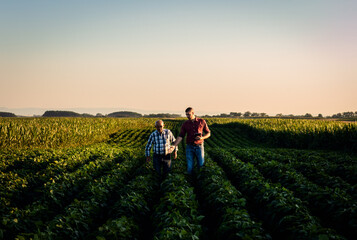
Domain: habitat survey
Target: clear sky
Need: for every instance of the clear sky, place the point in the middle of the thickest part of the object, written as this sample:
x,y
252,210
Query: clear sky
x,y
290,57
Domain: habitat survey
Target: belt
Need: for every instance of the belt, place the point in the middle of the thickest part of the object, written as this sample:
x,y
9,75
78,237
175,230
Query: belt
x,y
194,144
161,154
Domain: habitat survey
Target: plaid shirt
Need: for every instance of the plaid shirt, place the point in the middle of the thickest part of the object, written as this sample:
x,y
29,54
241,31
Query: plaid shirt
x,y
162,142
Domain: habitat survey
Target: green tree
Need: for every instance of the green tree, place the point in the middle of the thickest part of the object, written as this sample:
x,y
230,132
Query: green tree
x,y
247,114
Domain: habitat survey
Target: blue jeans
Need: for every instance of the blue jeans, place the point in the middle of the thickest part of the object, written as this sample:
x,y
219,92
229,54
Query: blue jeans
x,y
162,161
192,152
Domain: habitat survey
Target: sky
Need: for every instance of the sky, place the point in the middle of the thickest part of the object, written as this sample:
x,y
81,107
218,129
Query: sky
x,y
289,57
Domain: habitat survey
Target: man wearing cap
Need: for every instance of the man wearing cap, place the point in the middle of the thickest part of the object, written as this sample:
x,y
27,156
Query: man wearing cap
x,y
161,140
194,127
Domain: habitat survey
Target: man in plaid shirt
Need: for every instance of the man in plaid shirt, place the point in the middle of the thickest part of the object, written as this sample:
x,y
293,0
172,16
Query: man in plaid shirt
x,y
161,141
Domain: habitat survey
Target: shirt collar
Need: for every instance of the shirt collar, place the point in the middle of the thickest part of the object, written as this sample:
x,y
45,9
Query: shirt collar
x,y
195,119
163,131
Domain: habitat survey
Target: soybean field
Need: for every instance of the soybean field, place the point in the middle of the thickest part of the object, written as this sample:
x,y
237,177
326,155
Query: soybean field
x,y
87,178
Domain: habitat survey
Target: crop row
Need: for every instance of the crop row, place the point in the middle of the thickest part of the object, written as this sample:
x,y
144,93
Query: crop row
x,y
316,169
177,216
29,182
334,168
130,138
80,216
129,218
283,214
336,208
51,183
226,137
220,140
340,165
63,189
326,157
34,159
225,206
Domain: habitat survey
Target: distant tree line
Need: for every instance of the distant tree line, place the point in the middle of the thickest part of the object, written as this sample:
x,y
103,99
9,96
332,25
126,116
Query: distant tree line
x,y
163,115
238,115
135,114
121,114
124,114
61,114
7,114
345,115
247,114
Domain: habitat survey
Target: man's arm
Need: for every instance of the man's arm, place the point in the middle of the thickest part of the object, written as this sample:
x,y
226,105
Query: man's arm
x,y
173,139
148,148
207,135
206,130
177,142
173,148
179,138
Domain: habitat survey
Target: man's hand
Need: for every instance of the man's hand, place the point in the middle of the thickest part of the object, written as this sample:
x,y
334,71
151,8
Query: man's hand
x,y
175,155
148,159
172,148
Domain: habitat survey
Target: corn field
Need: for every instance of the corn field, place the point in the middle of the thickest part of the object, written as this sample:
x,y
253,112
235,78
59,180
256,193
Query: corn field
x,y
60,132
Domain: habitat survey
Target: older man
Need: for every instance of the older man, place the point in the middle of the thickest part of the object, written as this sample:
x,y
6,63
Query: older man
x,y
161,140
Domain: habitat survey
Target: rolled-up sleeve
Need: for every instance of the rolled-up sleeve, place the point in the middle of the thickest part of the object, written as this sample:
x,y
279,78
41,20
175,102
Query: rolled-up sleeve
x,y
148,146
173,139
205,127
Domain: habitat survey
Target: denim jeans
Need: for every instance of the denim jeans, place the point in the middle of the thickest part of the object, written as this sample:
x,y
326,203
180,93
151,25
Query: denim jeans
x,y
192,152
163,161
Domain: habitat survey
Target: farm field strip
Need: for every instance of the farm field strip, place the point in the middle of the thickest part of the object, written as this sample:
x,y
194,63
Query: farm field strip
x,y
336,208
61,190
176,216
130,138
301,134
324,163
210,144
346,170
224,206
19,180
337,204
315,172
220,140
129,217
322,157
229,137
27,159
102,159
61,132
76,218
285,215
234,138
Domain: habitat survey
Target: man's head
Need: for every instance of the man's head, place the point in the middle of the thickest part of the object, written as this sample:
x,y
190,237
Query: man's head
x,y
189,113
159,124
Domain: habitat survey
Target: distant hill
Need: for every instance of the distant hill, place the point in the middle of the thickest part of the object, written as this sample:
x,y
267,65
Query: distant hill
x,y
7,114
61,114
124,114
163,115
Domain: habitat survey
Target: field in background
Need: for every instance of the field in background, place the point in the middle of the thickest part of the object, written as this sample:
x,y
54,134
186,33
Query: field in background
x,y
86,178
27,133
